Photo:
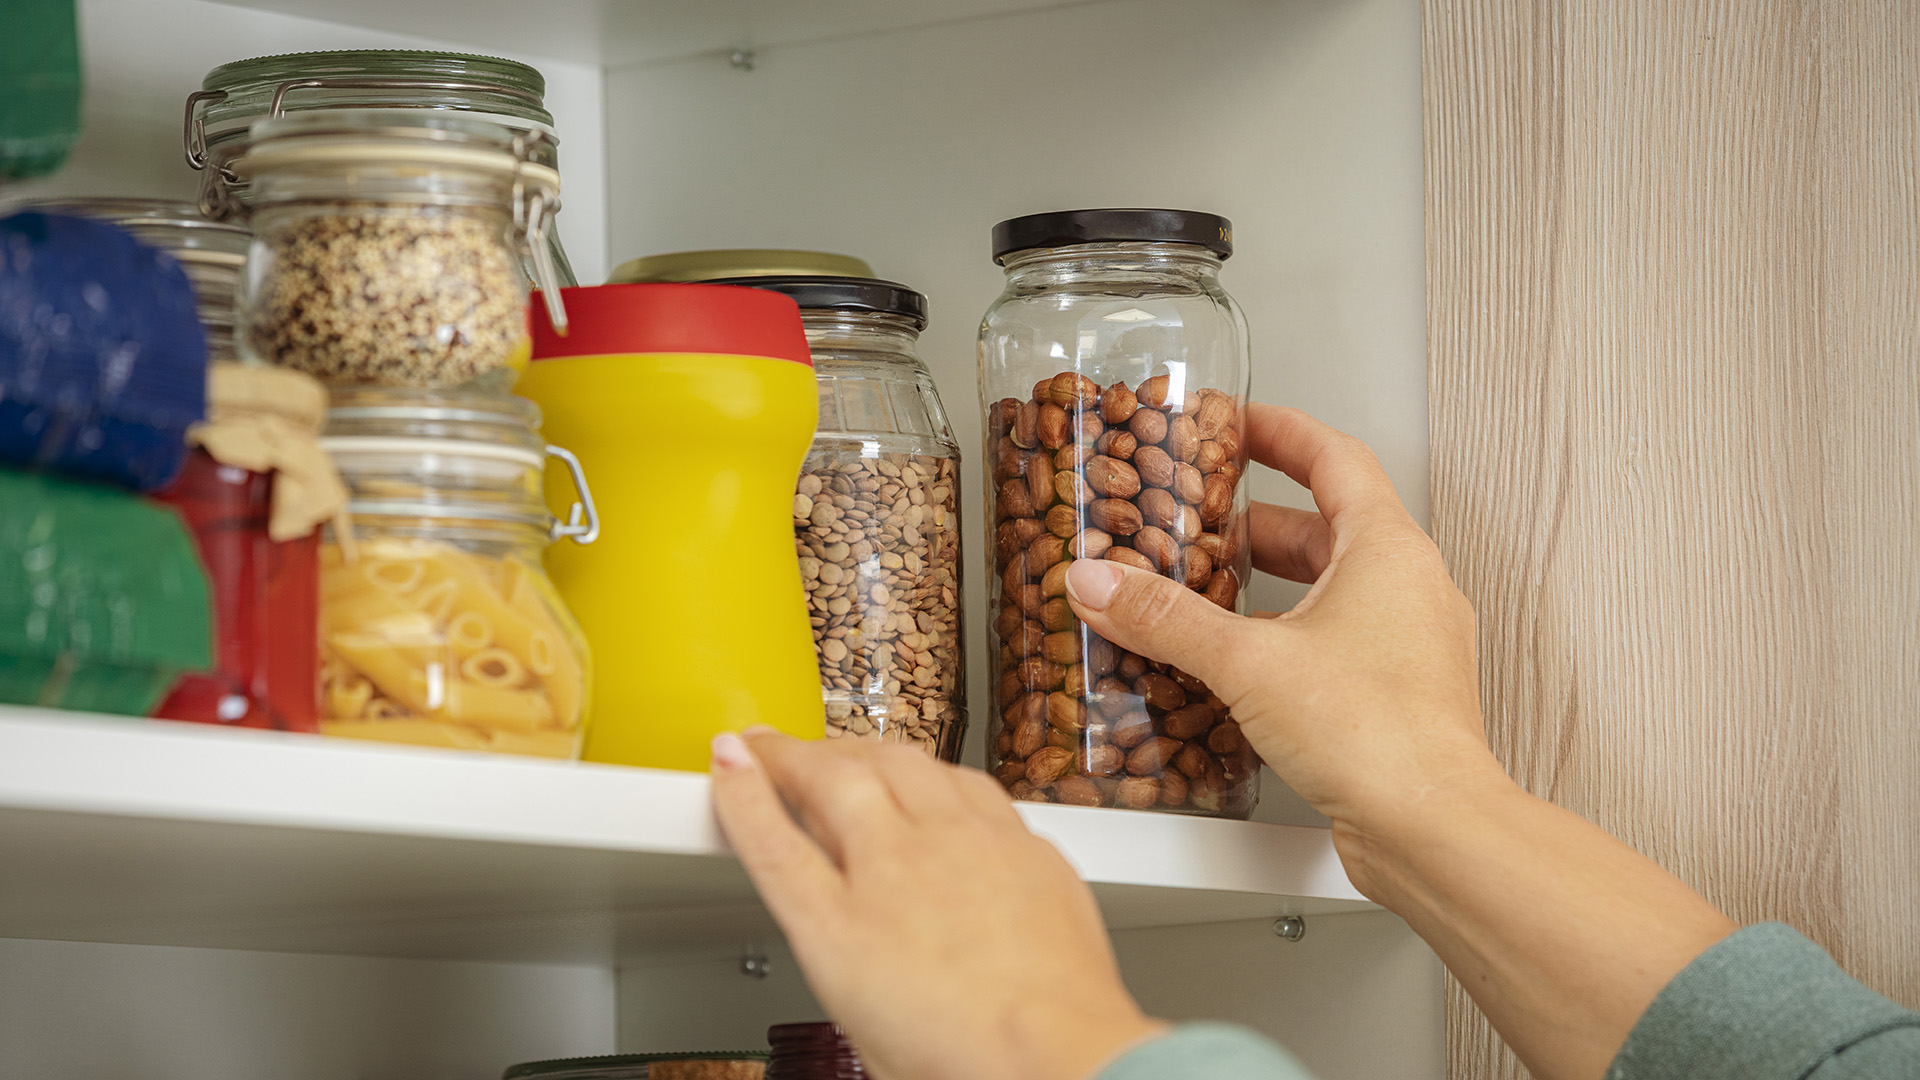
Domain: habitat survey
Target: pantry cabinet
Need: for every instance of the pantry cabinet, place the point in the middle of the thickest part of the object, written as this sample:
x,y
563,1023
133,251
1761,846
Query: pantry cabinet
x,y
179,902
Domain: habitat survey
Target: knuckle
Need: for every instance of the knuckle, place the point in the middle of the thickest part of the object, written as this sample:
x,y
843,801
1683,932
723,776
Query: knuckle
x,y
1147,600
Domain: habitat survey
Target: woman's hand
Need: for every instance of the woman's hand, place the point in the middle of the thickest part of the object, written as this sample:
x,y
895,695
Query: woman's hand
x,y
949,941
1364,697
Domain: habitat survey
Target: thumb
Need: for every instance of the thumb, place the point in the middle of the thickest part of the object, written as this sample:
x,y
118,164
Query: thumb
x,y
1159,618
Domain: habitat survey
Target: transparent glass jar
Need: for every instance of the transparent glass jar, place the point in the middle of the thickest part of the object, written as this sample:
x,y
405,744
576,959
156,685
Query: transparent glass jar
x,y
1113,374
389,255
438,625
707,1065
234,95
211,252
813,1051
876,518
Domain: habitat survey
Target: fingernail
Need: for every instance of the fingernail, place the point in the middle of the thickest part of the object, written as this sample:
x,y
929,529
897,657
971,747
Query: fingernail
x,y
1090,582
758,729
730,753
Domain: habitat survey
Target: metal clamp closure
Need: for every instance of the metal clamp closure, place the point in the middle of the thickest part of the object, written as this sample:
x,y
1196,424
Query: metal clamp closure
x,y
194,134
583,521
533,213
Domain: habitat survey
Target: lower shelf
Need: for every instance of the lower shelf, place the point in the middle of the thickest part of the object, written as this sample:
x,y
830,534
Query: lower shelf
x,y
156,833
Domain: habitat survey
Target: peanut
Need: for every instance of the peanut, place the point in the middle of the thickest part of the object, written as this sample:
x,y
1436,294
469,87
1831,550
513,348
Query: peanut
x,y
1135,476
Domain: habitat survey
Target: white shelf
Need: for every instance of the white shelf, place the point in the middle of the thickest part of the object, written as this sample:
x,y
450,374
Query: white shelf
x,y
616,32
156,833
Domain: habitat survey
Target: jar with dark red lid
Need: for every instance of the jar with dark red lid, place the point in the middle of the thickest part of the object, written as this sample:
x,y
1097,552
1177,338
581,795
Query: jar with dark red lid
x,y
817,1051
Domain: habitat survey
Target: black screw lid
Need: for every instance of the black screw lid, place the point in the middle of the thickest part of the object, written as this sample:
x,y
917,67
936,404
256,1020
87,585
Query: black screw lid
x,y
826,292
1062,228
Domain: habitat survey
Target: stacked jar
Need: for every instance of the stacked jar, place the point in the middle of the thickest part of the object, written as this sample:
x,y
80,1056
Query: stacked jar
x,y
876,524
220,116
386,262
876,518
211,252
1114,372
252,490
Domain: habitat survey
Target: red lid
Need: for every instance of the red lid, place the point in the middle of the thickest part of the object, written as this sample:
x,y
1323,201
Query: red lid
x,y
605,320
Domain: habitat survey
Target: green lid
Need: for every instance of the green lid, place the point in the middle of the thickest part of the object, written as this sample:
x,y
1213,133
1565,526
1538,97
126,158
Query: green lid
x,y
103,601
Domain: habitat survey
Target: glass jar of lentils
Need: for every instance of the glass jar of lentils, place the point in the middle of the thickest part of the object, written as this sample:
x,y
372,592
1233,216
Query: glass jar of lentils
x,y
1114,375
876,521
387,248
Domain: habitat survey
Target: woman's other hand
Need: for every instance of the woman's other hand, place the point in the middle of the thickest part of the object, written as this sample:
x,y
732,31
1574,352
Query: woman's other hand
x,y
949,941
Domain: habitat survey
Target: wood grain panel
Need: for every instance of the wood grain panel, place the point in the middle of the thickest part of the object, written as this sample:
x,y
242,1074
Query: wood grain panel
x,y
1674,333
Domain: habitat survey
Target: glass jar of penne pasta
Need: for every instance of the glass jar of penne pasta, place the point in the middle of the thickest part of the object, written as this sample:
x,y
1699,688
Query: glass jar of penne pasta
x,y
438,625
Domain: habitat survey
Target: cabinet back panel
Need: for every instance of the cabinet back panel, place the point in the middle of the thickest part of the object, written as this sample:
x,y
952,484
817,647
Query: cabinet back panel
x,y
74,1009
1297,119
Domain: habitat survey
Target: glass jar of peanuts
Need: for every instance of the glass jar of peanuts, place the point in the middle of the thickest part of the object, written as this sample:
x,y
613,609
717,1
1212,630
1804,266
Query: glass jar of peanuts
x,y
1113,374
876,522
438,625
387,248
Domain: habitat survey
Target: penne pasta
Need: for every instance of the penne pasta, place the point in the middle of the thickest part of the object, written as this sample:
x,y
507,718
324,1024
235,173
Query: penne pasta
x,y
468,633
498,707
399,575
561,663
424,642
348,696
493,667
401,672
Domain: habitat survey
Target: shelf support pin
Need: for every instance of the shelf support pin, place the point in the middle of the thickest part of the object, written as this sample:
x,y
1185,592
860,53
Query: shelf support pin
x,y
755,965
741,59
1290,928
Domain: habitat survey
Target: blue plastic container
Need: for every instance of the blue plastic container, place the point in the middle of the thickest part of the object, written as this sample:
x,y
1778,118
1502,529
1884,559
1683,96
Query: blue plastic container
x,y
102,358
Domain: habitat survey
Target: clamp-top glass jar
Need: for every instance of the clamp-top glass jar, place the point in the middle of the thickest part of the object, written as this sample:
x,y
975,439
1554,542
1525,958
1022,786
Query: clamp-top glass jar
x,y
387,246
1113,375
439,626
233,96
876,519
211,252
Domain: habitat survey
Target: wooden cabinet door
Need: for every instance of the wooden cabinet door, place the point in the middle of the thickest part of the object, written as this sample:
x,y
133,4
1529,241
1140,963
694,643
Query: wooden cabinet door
x,y
1674,336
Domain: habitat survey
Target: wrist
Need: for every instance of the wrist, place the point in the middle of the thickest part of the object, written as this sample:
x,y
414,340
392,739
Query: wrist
x,y
1076,1042
1392,829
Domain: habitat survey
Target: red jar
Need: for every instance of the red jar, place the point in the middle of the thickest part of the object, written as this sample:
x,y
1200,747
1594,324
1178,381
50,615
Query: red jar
x,y
266,605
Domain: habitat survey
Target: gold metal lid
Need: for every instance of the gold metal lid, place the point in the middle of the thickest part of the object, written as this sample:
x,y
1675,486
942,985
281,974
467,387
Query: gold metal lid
x,y
736,263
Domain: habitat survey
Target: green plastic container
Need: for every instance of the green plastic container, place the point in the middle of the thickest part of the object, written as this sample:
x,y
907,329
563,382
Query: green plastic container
x,y
103,602
39,86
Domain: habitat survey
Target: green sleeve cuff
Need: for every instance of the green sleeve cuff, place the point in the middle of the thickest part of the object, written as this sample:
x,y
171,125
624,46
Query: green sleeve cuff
x,y
1767,1004
1206,1052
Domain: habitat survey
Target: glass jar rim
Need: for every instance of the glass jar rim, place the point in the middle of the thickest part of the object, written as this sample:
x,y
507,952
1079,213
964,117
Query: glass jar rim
x,y
242,89
1111,249
390,136
346,446
356,455
274,68
175,226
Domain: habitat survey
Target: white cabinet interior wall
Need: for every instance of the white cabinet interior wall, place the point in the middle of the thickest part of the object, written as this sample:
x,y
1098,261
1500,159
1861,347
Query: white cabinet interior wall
x,y
899,132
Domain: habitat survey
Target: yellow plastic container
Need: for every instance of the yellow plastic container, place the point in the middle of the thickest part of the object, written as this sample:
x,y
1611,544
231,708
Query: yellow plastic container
x,y
692,407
